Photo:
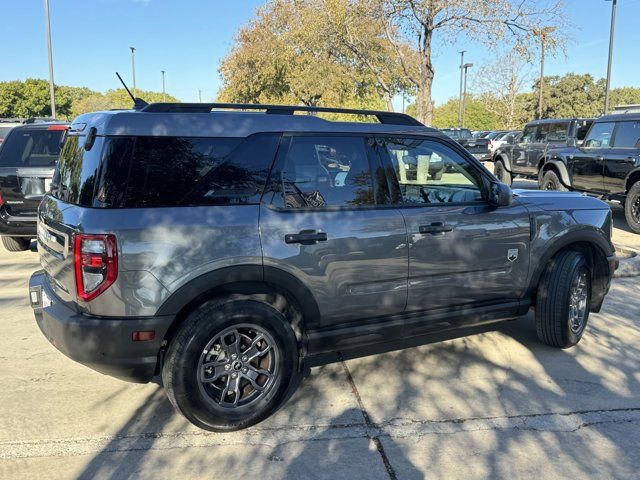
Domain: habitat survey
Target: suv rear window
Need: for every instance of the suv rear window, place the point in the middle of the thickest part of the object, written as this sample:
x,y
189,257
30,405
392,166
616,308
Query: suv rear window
x,y
30,148
135,172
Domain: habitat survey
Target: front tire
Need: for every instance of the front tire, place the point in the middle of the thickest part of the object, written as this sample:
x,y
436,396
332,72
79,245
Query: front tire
x,y
632,207
550,181
232,364
16,244
500,171
562,303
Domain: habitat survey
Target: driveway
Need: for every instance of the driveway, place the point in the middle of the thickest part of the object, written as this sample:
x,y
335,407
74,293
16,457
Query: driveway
x,y
493,403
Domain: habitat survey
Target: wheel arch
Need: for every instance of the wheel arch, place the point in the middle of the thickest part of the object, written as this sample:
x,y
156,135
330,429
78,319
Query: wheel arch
x,y
558,166
597,251
504,158
632,177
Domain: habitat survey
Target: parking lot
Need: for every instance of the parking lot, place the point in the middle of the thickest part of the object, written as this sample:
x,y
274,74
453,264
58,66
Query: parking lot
x,y
493,403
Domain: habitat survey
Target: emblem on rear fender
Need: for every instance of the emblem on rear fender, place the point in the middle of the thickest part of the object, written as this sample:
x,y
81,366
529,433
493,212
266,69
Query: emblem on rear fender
x,y
512,254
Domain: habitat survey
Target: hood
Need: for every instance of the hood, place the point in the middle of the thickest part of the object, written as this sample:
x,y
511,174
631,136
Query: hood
x,y
553,200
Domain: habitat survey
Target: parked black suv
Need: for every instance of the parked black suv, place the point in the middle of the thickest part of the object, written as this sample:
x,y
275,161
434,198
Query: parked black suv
x,y
525,157
606,165
28,156
227,249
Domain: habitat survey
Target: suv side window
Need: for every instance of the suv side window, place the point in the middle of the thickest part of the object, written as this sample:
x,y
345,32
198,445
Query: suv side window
x,y
529,133
627,135
557,132
428,172
600,135
325,171
542,133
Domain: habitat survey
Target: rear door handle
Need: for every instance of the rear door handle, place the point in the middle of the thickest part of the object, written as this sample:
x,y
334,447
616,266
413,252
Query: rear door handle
x,y
306,237
435,227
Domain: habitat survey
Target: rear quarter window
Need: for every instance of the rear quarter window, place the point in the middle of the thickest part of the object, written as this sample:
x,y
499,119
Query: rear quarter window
x,y
30,148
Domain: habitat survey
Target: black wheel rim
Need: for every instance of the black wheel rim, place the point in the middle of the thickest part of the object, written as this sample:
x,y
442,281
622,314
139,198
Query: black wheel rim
x,y
578,302
238,366
550,186
635,209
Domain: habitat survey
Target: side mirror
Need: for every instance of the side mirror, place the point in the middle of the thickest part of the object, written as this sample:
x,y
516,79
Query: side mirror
x,y
500,194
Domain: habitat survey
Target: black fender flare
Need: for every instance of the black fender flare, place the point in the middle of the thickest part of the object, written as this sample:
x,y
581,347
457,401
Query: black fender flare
x,y
505,159
632,173
247,279
560,166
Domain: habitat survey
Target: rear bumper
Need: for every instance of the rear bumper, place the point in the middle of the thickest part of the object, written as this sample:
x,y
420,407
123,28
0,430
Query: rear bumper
x,y
104,344
18,226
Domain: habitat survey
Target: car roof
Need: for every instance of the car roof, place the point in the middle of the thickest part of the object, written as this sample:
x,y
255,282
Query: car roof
x,y
556,120
619,117
38,126
216,123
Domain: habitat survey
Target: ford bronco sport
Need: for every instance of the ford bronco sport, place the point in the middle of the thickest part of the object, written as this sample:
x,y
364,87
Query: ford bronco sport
x,y
224,249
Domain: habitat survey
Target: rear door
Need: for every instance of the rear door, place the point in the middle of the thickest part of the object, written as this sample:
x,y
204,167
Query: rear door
x,y
622,157
461,250
27,159
586,166
322,222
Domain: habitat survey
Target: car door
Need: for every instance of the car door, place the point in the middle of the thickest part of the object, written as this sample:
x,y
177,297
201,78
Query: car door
x,y
462,250
320,222
586,164
622,157
520,150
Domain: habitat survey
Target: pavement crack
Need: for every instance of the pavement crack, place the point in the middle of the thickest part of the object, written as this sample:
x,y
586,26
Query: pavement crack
x,y
372,429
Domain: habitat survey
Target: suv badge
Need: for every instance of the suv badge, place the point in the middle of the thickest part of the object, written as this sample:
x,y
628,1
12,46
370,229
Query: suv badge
x,y
512,254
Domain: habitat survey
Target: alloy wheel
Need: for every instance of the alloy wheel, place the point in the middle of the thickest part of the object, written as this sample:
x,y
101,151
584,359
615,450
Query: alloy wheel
x,y
578,298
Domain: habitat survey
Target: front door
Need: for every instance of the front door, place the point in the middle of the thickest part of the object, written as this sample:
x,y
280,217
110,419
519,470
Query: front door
x,y
320,221
622,157
586,165
521,150
461,249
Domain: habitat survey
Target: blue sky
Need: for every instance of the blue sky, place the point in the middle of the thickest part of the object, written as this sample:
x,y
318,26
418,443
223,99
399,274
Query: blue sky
x,y
187,38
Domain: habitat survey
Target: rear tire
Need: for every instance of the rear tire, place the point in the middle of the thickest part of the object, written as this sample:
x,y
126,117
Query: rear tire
x,y
632,207
238,339
550,181
16,244
501,172
562,303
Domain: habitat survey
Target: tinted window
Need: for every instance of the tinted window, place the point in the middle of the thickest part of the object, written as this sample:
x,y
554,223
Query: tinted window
x,y
600,135
528,134
627,135
326,171
3,132
74,179
30,148
582,130
429,172
557,132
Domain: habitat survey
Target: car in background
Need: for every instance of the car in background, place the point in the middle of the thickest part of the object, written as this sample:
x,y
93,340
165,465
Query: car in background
x,y
508,137
6,124
28,157
525,157
606,165
457,133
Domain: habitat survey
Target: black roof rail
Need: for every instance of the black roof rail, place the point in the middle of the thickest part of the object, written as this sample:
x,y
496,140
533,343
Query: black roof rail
x,y
389,118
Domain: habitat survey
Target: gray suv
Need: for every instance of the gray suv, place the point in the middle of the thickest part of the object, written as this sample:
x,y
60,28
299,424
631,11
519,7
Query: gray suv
x,y
226,249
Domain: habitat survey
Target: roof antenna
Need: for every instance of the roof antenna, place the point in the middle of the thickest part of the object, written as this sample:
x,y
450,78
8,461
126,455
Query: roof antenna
x,y
138,103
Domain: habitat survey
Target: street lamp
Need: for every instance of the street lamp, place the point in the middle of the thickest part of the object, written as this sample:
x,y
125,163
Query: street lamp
x,y
460,97
200,95
466,66
51,83
542,34
133,69
611,32
164,93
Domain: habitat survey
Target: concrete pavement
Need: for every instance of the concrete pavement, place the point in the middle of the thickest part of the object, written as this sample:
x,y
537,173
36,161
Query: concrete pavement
x,y
495,403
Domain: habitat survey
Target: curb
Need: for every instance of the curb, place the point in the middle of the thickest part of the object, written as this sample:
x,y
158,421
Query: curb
x,y
629,262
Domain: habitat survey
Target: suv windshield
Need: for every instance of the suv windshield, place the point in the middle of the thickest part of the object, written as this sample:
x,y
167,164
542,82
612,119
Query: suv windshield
x,y
30,147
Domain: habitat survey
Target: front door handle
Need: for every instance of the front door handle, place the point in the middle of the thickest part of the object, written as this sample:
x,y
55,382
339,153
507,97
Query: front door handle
x,y
434,228
306,237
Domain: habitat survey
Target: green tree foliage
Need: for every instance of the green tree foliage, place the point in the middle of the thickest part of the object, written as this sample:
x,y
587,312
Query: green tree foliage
x,y
477,115
114,99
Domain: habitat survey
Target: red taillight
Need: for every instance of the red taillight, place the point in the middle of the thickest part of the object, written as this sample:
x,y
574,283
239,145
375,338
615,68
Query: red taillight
x,y
1,201
96,264
58,127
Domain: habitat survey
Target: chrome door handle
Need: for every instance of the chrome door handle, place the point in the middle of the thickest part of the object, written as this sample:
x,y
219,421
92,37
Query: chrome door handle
x,y
434,228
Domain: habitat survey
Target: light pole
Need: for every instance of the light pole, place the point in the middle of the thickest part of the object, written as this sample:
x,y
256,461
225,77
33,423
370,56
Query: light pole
x,y
52,93
133,69
460,107
200,95
542,34
611,32
466,66
164,93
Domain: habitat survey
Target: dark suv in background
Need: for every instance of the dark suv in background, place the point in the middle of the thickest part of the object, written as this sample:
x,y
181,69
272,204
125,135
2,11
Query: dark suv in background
x,y
28,156
606,165
226,249
525,157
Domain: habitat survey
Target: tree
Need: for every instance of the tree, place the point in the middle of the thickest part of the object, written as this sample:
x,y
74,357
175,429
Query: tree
x,y
499,86
421,22
572,95
115,99
477,115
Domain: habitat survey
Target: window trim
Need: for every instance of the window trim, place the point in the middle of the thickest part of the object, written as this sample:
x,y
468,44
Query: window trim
x,y
456,148
283,149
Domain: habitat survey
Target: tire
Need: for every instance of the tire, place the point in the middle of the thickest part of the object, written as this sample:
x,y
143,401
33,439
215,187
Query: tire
x,y
632,207
16,244
552,310
204,403
550,181
501,172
